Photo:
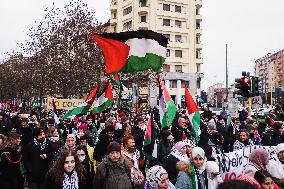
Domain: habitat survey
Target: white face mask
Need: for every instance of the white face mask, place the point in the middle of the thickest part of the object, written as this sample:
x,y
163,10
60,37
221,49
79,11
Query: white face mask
x,y
82,158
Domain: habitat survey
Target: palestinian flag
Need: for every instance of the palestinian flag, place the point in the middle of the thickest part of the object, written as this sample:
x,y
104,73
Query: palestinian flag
x,y
193,114
53,110
132,51
149,144
84,107
167,107
105,100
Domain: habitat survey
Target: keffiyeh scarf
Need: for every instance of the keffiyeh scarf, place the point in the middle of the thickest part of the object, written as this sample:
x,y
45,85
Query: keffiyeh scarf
x,y
70,182
40,145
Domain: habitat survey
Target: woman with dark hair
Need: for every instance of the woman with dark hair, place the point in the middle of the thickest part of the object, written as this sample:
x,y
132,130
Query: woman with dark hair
x,y
265,180
10,163
275,135
84,159
242,141
66,173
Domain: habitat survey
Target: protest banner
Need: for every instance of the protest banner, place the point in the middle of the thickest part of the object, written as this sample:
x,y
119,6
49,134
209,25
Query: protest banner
x,y
64,104
232,164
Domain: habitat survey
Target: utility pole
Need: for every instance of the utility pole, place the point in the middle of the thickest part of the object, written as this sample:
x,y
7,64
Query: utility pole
x,y
227,91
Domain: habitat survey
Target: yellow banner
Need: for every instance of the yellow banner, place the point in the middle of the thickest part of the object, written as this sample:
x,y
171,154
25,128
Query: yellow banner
x,y
64,104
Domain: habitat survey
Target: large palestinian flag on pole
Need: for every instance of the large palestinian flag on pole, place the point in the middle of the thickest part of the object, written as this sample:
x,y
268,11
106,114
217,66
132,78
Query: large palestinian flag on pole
x,y
105,100
167,107
132,51
84,107
149,144
193,114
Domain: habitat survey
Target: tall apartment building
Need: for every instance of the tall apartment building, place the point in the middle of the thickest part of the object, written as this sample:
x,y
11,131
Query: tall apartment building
x,y
180,22
270,70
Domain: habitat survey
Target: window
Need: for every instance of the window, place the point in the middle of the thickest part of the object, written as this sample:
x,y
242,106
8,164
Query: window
x,y
142,3
197,11
168,36
166,68
197,25
114,29
168,53
178,23
184,84
198,55
143,18
178,53
173,83
166,22
197,68
197,39
166,7
127,10
114,15
178,38
127,25
178,68
178,8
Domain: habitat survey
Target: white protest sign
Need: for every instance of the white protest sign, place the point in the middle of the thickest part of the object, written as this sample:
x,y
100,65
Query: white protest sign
x,y
232,164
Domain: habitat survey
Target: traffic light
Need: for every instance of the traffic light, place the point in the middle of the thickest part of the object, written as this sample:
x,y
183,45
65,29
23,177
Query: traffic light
x,y
243,85
239,86
255,86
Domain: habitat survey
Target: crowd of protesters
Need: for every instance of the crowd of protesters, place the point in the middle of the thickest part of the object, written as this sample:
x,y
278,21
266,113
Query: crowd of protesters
x,y
105,151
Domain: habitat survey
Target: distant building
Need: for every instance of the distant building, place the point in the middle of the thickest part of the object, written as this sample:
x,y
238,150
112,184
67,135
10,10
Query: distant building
x,y
270,70
180,22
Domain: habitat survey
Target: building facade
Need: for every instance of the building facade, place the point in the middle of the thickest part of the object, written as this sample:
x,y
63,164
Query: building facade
x,y
180,22
270,70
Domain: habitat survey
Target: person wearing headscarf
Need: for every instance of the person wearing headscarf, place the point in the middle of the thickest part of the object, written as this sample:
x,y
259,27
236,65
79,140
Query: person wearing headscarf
x,y
213,175
250,180
258,159
178,153
199,173
276,167
157,178
184,168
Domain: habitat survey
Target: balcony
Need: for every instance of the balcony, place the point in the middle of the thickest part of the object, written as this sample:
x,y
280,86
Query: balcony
x,y
198,2
199,46
143,10
198,30
113,21
198,17
113,7
143,24
199,61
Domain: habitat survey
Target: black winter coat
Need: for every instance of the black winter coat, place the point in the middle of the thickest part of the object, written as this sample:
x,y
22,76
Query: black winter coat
x,y
50,183
138,135
35,165
101,147
177,133
10,164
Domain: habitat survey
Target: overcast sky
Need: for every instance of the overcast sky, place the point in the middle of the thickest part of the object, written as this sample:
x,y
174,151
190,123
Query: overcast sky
x,y
251,28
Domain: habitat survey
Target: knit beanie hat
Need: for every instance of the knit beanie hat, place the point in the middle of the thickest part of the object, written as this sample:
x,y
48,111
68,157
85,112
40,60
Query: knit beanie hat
x,y
37,131
113,146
